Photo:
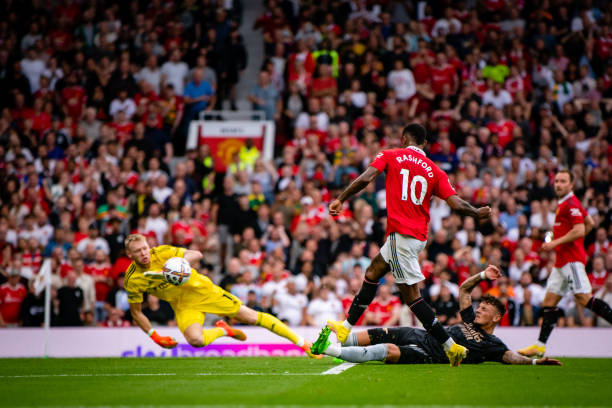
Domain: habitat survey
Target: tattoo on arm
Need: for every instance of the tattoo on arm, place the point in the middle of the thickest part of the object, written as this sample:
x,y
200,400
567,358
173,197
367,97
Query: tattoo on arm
x,y
511,357
465,299
359,183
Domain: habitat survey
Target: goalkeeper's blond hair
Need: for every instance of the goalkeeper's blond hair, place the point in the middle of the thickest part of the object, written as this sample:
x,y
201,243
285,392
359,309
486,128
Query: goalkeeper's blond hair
x,y
133,238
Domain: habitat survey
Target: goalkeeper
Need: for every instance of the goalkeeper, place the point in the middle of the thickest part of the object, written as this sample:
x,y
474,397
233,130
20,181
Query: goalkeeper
x,y
190,301
405,345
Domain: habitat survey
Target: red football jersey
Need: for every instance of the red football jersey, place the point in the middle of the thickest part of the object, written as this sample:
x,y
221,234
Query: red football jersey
x,y
569,213
10,302
411,179
384,311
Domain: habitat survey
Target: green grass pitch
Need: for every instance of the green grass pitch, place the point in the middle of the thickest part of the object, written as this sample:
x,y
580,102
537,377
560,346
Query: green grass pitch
x,y
296,382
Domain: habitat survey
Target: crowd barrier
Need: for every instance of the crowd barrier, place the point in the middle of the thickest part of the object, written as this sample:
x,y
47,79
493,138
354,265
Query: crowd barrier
x,y
132,342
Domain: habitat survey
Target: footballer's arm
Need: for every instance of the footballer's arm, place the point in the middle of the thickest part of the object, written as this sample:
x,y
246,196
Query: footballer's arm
x,y
143,322
139,318
588,224
461,206
577,231
510,357
193,257
491,272
356,186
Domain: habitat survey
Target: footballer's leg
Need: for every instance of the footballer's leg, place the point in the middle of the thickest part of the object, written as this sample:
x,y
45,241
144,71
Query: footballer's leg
x,y
377,269
198,337
249,316
550,315
190,323
412,297
598,306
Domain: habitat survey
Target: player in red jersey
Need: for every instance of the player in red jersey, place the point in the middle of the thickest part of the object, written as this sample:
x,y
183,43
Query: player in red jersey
x,y
411,180
572,223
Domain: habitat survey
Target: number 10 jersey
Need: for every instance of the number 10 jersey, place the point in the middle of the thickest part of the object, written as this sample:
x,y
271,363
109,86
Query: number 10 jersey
x,y
411,179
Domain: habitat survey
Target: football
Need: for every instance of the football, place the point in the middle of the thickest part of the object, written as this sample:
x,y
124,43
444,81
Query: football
x,y
177,271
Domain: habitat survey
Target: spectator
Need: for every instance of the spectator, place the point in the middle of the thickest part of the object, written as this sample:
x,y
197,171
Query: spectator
x,y
158,312
199,95
174,72
290,304
265,97
12,294
323,307
70,300
384,309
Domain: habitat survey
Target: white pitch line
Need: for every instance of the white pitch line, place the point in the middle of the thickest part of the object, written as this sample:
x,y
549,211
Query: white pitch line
x,y
253,374
310,406
338,369
84,375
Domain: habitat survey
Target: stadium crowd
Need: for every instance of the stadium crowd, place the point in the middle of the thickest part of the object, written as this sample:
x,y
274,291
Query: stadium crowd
x,y
96,97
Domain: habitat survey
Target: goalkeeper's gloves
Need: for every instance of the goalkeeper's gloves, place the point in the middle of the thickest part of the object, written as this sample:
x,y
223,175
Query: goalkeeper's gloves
x,y
164,341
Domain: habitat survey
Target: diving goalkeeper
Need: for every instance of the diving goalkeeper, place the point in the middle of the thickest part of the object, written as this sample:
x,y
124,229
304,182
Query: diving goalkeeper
x,y
190,301
405,345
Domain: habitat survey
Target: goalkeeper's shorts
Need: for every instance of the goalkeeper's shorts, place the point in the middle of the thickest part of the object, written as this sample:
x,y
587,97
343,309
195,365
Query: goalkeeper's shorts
x,y
191,308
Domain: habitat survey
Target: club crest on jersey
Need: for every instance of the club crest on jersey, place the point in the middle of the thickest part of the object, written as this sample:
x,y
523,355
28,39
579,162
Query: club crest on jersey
x,y
575,212
418,161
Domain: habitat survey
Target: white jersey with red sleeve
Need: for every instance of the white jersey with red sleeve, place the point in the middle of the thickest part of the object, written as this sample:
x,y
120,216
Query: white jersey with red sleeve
x,y
411,180
569,213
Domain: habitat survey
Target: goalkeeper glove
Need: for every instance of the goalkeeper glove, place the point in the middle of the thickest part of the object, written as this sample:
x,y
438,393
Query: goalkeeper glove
x,y
164,341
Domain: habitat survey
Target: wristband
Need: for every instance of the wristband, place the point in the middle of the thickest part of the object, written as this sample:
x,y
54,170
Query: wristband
x,y
534,361
483,275
151,332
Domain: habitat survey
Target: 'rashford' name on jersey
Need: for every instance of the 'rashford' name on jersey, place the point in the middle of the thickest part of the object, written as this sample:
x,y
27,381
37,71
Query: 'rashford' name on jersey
x,y
411,180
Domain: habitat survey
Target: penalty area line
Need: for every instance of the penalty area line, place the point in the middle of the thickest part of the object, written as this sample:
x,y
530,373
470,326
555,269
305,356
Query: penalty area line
x,y
338,369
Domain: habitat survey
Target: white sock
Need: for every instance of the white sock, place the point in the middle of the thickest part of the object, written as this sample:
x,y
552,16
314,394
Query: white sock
x,y
300,342
448,343
351,340
540,344
347,324
334,350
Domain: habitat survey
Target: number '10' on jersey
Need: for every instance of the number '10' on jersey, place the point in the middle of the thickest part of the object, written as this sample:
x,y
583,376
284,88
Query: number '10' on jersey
x,y
411,179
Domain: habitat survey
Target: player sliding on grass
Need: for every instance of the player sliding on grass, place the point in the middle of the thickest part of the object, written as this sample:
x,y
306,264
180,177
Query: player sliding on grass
x,y
572,223
411,180
405,345
190,301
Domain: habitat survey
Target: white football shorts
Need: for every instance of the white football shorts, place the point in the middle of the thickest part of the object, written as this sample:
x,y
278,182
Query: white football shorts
x,y
401,252
571,277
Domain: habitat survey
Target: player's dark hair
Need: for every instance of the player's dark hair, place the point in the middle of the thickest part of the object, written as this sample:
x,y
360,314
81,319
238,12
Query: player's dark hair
x,y
571,175
417,132
492,300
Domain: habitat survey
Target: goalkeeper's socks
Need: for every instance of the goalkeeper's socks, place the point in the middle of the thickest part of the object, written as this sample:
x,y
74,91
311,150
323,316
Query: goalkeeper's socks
x,y
427,317
210,335
549,320
362,301
271,323
601,308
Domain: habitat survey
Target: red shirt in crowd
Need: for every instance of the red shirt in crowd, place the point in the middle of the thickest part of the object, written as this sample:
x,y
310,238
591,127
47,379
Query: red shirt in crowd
x,y
347,300
504,129
569,213
102,287
441,76
384,310
598,280
411,180
10,301
73,98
